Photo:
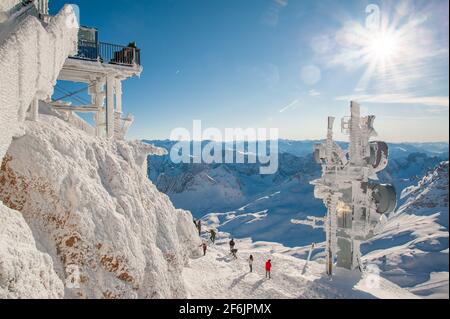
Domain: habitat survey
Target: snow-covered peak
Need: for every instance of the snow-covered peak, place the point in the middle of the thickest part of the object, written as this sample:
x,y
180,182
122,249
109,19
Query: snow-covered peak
x,y
431,191
411,247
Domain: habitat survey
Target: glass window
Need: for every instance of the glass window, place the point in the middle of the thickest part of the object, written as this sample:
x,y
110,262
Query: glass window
x,y
87,34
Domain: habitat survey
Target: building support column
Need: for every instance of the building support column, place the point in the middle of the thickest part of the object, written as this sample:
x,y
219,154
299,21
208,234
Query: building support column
x,y
98,95
43,6
110,112
34,110
118,90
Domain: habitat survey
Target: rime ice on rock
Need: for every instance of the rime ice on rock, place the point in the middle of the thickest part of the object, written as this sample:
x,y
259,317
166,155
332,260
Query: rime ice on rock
x,y
78,216
92,208
32,55
29,67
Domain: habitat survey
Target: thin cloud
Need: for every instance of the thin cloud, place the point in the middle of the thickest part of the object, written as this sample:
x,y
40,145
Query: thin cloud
x,y
442,101
289,106
272,15
314,93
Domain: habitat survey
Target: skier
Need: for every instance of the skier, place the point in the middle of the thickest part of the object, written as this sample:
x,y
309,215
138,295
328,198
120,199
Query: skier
x,y
204,247
213,235
234,252
250,263
268,268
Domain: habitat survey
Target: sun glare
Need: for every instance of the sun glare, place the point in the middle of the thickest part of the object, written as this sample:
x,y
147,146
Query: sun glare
x,y
383,46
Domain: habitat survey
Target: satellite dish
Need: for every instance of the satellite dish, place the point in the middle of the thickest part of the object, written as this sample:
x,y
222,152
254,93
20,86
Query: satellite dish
x,y
317,156
385,198
379,152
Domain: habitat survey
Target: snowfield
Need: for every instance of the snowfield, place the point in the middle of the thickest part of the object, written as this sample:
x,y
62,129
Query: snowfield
x,y
219,276
411,248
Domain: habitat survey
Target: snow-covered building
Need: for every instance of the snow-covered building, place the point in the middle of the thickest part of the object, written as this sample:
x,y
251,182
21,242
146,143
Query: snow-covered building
x,y
102,67
31,40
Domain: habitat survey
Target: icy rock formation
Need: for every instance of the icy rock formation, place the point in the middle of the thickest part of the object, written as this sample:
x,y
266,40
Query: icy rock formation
x,y
431,192
31,58
6,5
24,271
89,203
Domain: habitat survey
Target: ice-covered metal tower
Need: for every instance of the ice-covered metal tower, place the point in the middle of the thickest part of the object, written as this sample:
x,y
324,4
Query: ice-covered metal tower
x,y
348,187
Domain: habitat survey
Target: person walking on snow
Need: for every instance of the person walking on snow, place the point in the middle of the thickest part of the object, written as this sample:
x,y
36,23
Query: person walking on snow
x,y
268,268
204,247
199,227
234,253
232,244
250,263
213,235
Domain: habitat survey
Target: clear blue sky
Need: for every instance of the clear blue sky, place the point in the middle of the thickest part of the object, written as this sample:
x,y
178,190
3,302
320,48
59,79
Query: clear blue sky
x,y
281,63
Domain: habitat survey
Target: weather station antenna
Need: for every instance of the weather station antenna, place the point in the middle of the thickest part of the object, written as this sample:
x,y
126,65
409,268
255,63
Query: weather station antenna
x,y
350,190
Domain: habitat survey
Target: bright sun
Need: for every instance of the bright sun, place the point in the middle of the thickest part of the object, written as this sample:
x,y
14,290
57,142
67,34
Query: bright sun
x,y
383,46
386,50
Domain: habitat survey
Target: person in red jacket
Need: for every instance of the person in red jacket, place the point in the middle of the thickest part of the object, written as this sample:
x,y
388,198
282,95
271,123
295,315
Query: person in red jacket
x,y
268,268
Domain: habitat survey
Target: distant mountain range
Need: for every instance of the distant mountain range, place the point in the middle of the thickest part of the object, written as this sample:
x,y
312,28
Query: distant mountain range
x,y
248,204
410,247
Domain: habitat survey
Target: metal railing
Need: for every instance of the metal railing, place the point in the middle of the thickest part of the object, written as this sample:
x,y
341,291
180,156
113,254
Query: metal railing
x,y
108,53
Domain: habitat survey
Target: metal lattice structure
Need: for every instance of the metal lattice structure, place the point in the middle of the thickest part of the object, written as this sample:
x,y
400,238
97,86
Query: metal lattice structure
x,y
348,187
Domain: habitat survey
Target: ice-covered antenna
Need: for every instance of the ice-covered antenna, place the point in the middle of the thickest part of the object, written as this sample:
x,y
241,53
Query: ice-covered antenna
x,y
330,139
354,201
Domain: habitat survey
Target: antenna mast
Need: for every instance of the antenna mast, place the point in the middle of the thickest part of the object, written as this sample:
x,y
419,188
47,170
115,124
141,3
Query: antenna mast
x,y
354,201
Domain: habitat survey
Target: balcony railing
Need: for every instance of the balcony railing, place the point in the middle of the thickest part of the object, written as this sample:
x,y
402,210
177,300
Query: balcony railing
x,y
108,53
